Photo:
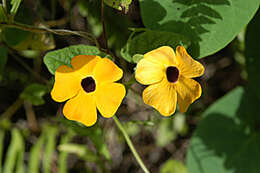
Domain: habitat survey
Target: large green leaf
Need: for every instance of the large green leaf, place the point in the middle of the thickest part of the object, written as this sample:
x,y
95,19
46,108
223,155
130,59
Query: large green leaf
x,y
56,58
227,139
149,40
210,24
253,54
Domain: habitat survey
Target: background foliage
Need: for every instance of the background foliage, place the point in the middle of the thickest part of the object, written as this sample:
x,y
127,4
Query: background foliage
x,y
219,133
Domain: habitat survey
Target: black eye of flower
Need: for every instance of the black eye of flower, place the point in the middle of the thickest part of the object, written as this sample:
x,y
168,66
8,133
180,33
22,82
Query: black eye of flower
x,y
88,84
172,74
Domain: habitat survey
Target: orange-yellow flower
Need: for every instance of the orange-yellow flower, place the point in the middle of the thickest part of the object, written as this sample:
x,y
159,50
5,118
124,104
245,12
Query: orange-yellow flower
x,y
89,85
169,77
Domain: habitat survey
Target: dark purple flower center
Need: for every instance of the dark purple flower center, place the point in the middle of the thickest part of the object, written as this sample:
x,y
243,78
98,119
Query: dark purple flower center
x,y
88,84
172,74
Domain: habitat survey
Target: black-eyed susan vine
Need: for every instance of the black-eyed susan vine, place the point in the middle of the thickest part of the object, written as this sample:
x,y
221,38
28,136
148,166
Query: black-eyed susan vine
x,y
146,51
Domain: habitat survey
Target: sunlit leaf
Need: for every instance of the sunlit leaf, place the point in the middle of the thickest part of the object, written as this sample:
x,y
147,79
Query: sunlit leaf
x,y
15,5
121,5
173,166
210,24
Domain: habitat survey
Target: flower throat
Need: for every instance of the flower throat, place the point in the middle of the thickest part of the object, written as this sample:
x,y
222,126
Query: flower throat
x,y
88,84
172,74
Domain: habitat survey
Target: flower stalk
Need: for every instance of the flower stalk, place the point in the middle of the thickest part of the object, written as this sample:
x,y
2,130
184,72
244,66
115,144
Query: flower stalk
x,y
130,144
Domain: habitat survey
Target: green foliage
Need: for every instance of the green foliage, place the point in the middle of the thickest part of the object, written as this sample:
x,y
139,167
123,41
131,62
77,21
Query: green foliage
x,y
34,93
56,58
173,166
168,129
62,163
252,53
15,155
35,154
121,5
227,138
149,40
15,5
2,135
210,25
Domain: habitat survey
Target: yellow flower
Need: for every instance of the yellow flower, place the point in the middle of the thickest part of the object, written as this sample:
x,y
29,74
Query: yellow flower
x,y
89,85
169,77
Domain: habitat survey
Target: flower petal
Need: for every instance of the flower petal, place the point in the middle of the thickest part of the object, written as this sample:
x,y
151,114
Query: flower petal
x,y
149,71
81,108
66,85
109,97
188,67
162,96
107,71
84,64
188,90
163,55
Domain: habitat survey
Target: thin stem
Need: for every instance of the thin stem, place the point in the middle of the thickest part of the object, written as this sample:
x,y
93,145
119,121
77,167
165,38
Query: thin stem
x,y
27,67
12,109
34,29
130,144
103,24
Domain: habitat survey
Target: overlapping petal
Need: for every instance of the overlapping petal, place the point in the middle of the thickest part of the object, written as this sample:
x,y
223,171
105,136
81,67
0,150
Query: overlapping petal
x,y
188,67
81,108
107,71
149,71
109,97
188,90
163,55
84,64
162,96
67,84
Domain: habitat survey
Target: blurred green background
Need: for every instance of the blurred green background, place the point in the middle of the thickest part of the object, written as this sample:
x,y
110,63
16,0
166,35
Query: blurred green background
x,y
220,133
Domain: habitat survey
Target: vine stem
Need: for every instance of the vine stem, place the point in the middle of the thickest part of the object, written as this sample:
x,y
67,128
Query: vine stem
x,y
130,144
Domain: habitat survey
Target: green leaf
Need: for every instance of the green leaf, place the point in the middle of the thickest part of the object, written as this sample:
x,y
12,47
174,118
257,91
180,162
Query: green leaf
x,y
62,162
227,139
51,133
56,58
137,58
95,133
15,154
210,24
165,132
2,135
35,154
34,93
15,5
3,17
121,5
149,40
80,150
3,60
252,53
173,166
